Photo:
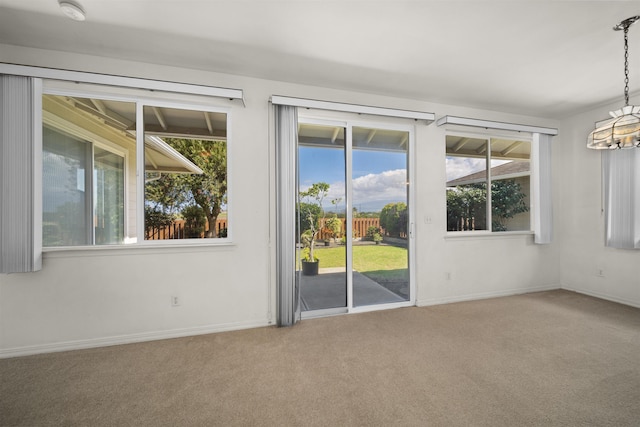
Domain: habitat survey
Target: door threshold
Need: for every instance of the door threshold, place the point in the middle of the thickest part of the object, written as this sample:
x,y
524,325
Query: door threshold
x,y
312,314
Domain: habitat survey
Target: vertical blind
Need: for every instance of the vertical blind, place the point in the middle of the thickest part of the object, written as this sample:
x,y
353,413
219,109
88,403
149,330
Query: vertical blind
x,y
621,185
20,174
288,292
541,188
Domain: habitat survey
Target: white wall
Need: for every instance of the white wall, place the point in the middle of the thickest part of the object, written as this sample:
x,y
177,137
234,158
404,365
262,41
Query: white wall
x,y
462,268
581,223
101,296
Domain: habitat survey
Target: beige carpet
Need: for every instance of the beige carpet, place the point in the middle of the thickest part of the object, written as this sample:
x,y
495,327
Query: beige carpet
x,y
552,358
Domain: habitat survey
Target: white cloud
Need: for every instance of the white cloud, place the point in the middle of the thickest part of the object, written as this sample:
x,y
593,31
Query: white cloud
x,y
462,166
458,167
387,185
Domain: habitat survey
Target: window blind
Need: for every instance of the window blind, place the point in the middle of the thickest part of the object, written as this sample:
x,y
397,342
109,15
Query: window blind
x,y
288,293
21,174
541,188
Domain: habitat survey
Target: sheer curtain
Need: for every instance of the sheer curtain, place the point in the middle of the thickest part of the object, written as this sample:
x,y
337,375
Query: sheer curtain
x,y
621,185
288,293
21,174
541,194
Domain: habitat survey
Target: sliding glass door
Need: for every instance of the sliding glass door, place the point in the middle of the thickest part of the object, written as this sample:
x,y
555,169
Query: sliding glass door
x,y
380,248
353,216
322,256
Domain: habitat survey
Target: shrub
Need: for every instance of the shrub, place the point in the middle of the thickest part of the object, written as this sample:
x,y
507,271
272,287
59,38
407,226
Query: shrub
x,y
155,218
334,225
393,218
194,221
372,231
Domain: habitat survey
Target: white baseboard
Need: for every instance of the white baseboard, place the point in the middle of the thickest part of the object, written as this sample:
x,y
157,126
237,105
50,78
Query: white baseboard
x,y
128,339
484,295
604,296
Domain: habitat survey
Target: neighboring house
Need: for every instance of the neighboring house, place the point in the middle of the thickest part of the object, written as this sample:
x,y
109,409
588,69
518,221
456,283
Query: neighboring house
x,y
519,172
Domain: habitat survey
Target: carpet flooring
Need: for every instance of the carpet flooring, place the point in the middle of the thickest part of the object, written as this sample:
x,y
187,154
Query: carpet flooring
x,y
552,358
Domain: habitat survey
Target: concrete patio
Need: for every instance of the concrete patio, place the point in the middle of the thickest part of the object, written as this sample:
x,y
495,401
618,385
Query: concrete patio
x,y
328,290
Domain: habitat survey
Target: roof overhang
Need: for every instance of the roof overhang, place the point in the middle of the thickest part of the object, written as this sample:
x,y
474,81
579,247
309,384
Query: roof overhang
x,y
161,157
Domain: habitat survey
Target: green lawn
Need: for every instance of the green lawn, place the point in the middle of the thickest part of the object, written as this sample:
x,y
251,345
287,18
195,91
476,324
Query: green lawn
x,y
386,265
365,258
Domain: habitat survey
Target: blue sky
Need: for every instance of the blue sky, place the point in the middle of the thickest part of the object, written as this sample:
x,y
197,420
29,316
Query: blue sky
x,y
379,177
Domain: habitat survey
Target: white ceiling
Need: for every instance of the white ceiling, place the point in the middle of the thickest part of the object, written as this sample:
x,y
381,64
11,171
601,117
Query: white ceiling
x,y
545,58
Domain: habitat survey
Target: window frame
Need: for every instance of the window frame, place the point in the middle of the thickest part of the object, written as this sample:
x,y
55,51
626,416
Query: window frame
x,y
488,136
141,98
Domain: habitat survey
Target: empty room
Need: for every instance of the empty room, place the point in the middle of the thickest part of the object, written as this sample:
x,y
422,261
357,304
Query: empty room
x,y
305,212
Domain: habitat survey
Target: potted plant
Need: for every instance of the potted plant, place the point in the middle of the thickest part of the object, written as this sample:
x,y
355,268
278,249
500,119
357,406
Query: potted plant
x,y
377,237
311,217
310,266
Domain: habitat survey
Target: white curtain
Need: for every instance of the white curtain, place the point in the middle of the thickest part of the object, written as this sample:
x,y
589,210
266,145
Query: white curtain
x,y
541,194
621,185
288,291
20,174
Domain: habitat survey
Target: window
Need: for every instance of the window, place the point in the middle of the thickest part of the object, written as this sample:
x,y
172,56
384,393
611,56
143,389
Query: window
x,y
488,184
186,197
95,144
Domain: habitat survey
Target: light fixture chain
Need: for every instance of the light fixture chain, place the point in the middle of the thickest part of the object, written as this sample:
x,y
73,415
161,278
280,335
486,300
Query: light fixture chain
x,y
626,66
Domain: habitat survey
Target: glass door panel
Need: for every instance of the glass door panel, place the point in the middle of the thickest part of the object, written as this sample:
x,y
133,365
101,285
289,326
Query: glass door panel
x,y
380,217
321,251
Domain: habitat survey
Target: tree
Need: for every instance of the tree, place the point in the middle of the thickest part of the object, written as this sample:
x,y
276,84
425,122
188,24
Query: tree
x,y
312,212
165,195
507,200
208,190
393,218
305,219
154,219
466,205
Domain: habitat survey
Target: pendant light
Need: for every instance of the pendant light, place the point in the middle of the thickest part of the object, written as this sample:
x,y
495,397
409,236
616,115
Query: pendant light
x,y
623,129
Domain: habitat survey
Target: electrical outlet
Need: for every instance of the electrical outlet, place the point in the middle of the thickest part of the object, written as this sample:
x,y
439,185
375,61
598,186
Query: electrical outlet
x,y
175,301
600,272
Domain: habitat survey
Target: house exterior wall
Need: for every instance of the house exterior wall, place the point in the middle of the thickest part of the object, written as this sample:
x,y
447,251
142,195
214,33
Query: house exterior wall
x,y
522,221
581,223
104,296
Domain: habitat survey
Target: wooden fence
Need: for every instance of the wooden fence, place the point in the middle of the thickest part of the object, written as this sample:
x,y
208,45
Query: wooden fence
x,y
360,226
176,230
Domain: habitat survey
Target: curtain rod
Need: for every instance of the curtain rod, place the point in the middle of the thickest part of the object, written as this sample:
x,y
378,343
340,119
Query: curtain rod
x,y
488,124
113,80
352,108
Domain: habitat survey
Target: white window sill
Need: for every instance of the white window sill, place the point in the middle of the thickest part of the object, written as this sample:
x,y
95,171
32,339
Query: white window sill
x,y
463,235
147,247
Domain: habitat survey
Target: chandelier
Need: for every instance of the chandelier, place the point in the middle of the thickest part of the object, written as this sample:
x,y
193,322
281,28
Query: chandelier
x,y
623,129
